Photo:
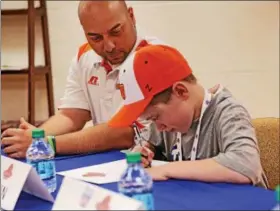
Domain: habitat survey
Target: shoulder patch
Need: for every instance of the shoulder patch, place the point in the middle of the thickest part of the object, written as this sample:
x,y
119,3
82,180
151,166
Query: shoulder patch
x,y
83,49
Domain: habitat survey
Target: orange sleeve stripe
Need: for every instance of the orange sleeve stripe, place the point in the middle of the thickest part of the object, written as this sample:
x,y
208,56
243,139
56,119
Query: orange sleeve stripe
x,y
83,49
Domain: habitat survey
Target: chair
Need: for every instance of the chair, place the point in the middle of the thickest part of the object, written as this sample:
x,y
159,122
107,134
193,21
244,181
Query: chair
x,y
267,131
32,12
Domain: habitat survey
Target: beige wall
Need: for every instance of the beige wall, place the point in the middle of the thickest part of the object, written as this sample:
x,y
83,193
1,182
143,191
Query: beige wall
x,y
232,43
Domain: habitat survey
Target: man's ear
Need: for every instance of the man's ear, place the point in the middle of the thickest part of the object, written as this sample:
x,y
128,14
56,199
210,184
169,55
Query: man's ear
x,y
131,15
180,90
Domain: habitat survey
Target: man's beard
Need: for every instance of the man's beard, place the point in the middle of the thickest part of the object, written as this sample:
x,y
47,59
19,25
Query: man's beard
x,y
120,60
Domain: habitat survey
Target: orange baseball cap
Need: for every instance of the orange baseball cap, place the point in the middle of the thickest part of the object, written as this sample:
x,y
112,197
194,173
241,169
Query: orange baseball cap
x,y
147,72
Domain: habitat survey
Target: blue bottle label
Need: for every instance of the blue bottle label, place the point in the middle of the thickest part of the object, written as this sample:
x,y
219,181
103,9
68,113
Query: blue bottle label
x,y
147,199
45,169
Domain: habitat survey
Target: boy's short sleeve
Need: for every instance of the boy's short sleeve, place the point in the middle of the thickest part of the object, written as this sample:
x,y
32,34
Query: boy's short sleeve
x,y
237,138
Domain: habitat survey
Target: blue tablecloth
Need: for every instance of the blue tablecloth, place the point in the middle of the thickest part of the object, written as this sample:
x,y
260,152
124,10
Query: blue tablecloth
x,y
171,194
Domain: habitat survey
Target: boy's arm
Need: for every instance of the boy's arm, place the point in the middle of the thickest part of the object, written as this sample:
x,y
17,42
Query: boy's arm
x,y
207,170
239,147
238,161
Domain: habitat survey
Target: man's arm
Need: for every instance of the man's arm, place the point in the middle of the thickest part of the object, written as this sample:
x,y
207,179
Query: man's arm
x,y
74,110
73,114
16,140
66,121
93,139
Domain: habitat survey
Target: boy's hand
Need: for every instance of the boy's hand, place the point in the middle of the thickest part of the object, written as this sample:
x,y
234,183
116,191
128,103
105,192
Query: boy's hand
x,y
146,151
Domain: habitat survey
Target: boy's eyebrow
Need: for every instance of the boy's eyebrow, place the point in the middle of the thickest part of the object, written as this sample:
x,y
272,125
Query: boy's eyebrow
x,y
149,118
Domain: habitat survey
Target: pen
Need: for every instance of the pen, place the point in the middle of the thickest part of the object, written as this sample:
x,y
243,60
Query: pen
x,y
139,141
137,134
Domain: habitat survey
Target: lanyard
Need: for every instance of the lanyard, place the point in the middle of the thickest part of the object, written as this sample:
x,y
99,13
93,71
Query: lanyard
x,y
139,130
176,151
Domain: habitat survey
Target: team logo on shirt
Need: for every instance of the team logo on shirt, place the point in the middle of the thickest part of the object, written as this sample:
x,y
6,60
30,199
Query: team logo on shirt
x,y
121,88
93,80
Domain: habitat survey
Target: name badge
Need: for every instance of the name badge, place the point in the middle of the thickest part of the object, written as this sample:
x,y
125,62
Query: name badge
x,y
79,195
17,176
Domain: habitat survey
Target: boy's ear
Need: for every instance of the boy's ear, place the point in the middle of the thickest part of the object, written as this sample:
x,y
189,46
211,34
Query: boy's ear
x,y
180,90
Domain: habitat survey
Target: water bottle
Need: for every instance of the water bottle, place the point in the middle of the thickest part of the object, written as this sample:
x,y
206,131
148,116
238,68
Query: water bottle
x,y
277,194
41,156
135,182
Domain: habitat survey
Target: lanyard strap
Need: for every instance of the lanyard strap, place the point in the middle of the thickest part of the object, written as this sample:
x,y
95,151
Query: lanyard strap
x,y
206,102
176,151
177,148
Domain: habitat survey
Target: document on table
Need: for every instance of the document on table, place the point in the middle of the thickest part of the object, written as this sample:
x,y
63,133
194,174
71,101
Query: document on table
x,y
102,173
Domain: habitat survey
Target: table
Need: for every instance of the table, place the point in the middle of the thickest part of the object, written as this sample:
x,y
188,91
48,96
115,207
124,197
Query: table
x,y
169,195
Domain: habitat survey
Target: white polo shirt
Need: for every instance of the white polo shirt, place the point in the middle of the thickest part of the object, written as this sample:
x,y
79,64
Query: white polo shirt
x,y
91,87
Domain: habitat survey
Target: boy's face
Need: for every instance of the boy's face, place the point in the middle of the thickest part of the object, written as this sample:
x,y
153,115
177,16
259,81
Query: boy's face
x,y
175,115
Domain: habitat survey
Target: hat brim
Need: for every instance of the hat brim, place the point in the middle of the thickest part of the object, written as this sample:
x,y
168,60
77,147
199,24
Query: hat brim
x,y
129,113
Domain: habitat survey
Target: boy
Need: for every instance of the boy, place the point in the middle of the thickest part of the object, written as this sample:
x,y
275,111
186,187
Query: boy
x,y
208,135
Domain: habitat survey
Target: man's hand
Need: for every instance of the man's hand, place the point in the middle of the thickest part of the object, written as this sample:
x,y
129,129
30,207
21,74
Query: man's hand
x,y
15,141
25,125
147,153
157,173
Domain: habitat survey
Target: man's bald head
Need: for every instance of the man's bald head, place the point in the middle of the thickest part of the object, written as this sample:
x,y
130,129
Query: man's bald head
x,y
109,27
95,7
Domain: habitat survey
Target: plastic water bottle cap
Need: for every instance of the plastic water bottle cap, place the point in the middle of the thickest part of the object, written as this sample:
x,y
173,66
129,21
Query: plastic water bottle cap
x,y
38,133
133,157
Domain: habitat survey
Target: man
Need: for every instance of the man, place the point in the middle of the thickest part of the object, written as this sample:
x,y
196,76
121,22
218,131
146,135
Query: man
x,y
91,92
208,134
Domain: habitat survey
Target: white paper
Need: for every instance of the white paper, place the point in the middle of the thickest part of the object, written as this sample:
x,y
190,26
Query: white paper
x,y
17,176
35,186
13,176
102,173
78,195
125,151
